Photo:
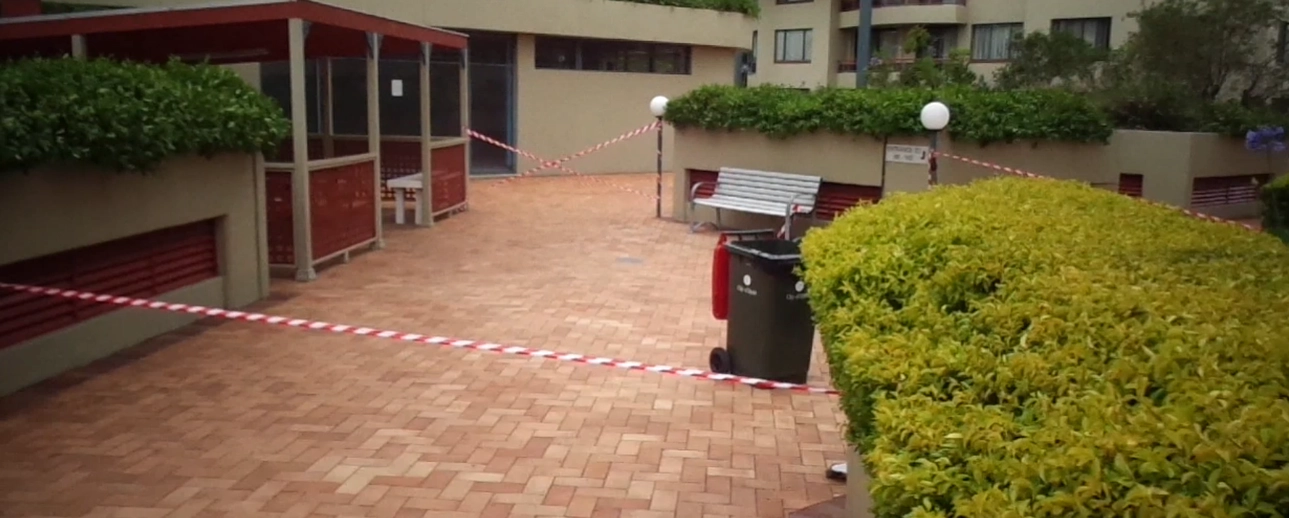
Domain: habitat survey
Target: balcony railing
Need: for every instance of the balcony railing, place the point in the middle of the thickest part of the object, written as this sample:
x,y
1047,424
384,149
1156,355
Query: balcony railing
x,y
853,5
850,66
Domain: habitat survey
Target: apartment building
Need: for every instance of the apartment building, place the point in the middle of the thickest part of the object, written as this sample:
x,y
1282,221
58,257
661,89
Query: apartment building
x,y
813,43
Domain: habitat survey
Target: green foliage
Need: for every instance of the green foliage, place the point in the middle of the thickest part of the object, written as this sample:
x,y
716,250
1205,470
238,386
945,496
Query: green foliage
x,y
1275,203
1208,47
127,116
923,71
980,116
750,7
1046,59
1192,65
1020,348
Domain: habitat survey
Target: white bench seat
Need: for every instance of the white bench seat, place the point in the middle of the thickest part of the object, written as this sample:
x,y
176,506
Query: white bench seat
x,y
759,192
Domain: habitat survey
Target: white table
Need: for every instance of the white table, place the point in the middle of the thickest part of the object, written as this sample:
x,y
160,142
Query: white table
x,y
400,186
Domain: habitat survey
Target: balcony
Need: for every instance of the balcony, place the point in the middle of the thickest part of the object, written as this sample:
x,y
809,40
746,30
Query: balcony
x,y
908,12
849,66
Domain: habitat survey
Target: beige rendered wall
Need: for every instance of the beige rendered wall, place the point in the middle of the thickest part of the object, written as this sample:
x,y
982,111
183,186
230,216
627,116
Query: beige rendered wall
x,y
52,210
561,112
820,17
1168,162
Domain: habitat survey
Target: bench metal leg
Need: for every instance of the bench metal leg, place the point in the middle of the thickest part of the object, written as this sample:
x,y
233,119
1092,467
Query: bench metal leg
x,y
695,226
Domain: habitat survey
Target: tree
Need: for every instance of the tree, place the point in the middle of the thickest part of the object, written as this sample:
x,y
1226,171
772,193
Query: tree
x,y
1041,60
1199,65
1211,49
926,71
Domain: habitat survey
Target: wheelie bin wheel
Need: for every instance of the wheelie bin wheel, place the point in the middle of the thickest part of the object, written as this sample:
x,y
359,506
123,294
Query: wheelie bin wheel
x,y
719,361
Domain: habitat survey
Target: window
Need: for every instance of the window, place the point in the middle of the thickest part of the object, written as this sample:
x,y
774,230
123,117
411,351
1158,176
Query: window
x,y
786,2
887,43
557,53
993,42
755,53
1095,31
943,39
792,46
612,56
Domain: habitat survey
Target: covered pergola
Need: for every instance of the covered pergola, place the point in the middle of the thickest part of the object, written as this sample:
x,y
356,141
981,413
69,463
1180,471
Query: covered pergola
x,y
319,206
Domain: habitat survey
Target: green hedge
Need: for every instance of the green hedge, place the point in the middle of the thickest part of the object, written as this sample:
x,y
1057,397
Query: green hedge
x,y
127,116
1275,206
734,6
1024,348
981,116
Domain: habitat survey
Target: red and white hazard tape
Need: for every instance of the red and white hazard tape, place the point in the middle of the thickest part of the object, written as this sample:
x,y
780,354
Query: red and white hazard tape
x,y
515,150
625,136
443,341
561,167
1026,174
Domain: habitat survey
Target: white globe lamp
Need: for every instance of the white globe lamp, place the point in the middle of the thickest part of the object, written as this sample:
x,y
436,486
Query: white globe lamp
x,y
658,106
935,116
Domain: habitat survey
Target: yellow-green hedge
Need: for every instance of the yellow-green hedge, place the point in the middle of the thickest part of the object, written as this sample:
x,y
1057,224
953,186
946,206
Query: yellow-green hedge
x,y
1021,348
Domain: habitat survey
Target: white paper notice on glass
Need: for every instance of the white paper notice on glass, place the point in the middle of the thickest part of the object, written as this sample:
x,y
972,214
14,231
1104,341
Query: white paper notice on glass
x,y
396,88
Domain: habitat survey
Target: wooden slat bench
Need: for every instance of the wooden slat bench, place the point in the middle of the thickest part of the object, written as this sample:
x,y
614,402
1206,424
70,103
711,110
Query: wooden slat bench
x,y
758,192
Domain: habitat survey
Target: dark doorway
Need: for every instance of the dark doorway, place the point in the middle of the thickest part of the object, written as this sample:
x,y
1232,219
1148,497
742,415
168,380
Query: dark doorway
x,y
492,101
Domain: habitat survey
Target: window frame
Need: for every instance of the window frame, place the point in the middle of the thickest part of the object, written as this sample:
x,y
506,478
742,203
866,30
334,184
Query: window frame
x,y
1103,41
780,46
1282,44
1018,29
602,53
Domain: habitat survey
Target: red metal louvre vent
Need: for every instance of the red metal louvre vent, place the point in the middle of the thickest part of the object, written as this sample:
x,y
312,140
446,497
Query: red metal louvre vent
x,y
144,265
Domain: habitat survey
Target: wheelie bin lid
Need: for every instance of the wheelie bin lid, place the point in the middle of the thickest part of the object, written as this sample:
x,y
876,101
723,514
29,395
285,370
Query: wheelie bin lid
x,y
776,250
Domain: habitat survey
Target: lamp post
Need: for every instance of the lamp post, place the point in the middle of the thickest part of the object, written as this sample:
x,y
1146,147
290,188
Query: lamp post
x,y
935,117
658,107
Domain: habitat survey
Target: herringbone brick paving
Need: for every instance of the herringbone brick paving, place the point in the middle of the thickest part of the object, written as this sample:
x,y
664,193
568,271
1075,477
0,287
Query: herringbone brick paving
x,y
234,419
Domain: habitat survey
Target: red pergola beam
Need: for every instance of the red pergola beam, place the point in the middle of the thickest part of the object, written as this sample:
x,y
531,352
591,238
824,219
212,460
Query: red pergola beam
x,y
151,34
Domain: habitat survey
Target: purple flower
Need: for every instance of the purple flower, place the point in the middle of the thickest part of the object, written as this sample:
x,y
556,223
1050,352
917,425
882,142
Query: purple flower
x,y
1266,138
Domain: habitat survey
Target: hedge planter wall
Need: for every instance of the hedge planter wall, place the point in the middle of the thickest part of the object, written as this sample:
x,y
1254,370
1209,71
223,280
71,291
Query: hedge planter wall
x,y
979,116
840,135
178,227
127,116
1018,348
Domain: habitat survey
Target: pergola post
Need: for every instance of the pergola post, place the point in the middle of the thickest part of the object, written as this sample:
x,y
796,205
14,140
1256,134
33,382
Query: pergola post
x,y
373,128
425,201
78,46
328,111
464,109
302,242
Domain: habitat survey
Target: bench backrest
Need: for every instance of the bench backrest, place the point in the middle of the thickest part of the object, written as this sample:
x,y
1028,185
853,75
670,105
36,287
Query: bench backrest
x,y
750,184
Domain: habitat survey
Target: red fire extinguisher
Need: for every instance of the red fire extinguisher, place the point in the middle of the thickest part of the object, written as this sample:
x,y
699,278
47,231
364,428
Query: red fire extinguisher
x,y
720,279
721,268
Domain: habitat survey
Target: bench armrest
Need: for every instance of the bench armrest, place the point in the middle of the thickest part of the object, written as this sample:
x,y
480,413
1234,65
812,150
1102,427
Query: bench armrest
x,y
693,191
792,206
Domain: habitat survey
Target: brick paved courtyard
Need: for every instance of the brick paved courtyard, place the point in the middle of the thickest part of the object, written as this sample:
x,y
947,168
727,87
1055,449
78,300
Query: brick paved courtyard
x,y
234,419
